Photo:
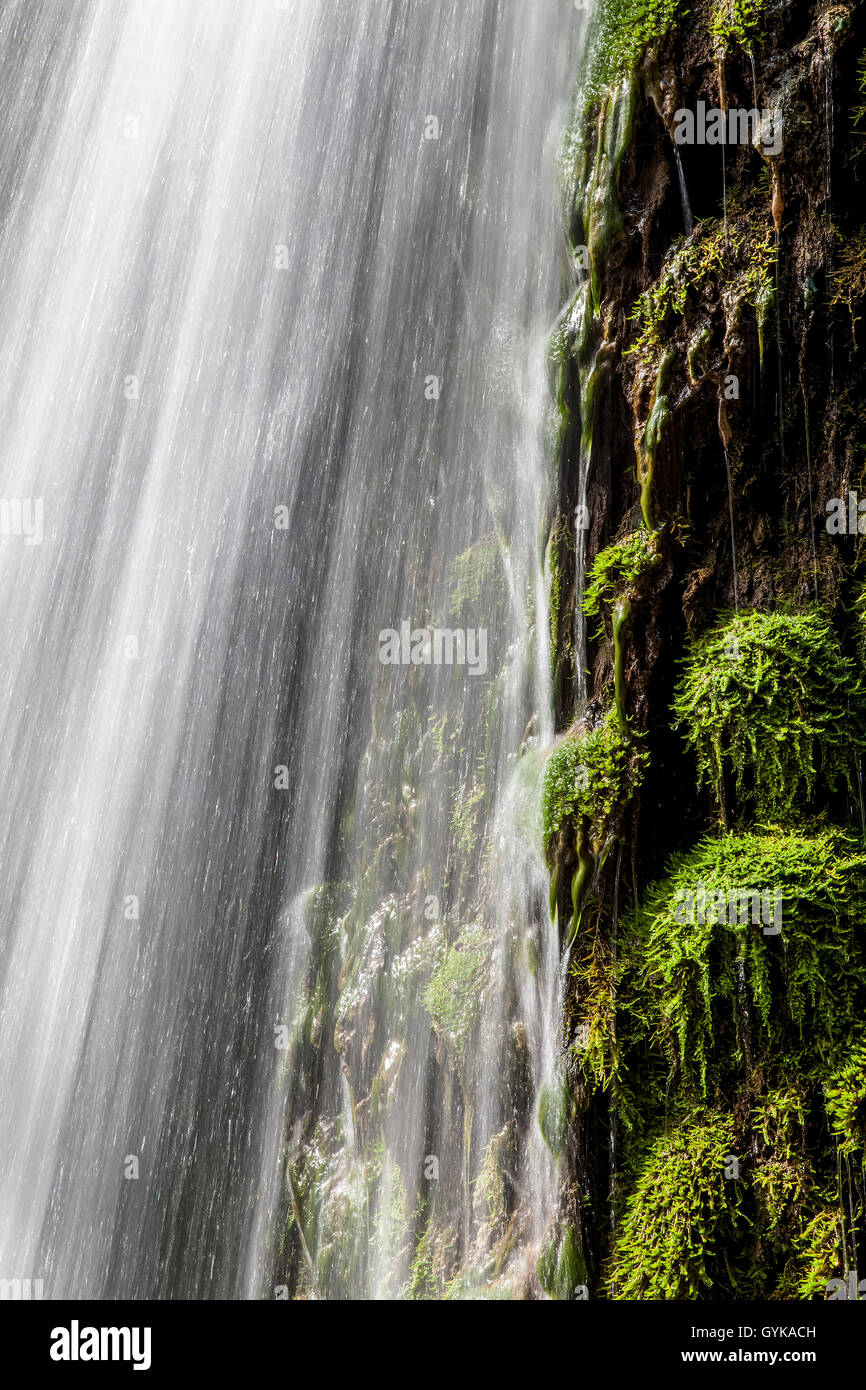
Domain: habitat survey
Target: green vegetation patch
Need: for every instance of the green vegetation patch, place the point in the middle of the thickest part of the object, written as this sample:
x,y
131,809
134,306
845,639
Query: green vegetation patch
x,y
620,33
617,571
735,263
740,21
454,993
679,1217
752,938
771,696
589,777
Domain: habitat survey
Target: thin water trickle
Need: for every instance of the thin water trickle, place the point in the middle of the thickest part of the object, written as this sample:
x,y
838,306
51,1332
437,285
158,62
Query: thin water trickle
x,y
684,194
807,434
733,531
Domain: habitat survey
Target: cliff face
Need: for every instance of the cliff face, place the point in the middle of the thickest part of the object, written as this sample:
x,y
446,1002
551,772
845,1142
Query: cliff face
x,y
703,808
583,1013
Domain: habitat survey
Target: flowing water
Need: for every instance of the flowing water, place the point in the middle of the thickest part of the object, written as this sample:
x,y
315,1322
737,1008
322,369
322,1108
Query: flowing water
x,y
239,242
688,219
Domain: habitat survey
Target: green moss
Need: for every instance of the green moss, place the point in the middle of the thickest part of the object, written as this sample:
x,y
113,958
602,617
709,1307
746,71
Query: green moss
x,y
328,1206
454,993
560,552
845,1099
620,33
433,1264
657,420
588,778
600,213
768,695
476,576
739,21
724,982
555,1113
621,619
848,279
324,907
663,302
733,263
617,573
561,1269
858,111
816,1259
679,1217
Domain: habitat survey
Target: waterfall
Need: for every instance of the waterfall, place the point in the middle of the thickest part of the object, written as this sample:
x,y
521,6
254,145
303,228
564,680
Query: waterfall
x,y
278,986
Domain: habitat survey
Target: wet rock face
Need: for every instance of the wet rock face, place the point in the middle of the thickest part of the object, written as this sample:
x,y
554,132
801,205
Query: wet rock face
x,y
727,419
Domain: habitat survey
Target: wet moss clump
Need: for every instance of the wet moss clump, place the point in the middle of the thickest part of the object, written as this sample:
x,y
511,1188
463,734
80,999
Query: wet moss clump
x,y
731,262
681,1214
587,778
561,1270
845,1098
617,572
752,939
770,697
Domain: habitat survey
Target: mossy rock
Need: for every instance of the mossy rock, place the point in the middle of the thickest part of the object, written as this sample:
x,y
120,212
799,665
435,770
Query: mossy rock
x,y
693,978
454,994
738,21
621,31
617,573
680,1215
771,696
561,1268
589,776
556,1111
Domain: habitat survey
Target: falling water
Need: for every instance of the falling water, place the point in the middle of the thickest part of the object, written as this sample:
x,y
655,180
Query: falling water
x,y
684,194
733,531
276,280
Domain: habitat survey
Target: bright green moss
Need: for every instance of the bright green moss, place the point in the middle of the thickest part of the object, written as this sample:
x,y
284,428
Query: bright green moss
x,y
816,1259
770,696
680,1216
620,33
739,21
845,1098
617,572
751,939
589,777
613,582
